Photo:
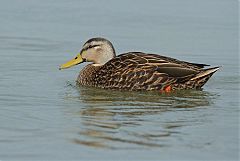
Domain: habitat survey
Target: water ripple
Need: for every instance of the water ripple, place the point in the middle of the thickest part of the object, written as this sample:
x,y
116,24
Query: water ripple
x,y
119,119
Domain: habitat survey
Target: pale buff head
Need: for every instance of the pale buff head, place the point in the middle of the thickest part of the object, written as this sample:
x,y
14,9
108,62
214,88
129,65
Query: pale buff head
x,y
98,50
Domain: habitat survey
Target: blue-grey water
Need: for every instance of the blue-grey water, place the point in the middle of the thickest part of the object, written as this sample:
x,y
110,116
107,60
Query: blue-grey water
x,y
45,116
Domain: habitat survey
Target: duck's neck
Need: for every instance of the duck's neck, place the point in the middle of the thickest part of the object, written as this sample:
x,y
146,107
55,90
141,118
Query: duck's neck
x,y
87,74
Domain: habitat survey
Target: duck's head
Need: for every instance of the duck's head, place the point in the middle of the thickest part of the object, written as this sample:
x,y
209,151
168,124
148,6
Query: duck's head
x,y
96,50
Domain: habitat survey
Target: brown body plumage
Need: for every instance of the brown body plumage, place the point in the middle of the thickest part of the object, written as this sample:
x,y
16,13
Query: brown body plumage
x,y
141,71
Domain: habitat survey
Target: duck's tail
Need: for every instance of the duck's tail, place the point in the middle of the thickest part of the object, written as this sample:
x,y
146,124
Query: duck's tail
x,y
201,78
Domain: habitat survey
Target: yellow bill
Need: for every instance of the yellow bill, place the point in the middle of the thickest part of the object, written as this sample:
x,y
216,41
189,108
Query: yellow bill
x,y
77,60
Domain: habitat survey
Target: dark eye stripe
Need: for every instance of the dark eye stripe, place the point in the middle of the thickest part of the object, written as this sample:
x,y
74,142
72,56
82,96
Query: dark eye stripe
x,y
91,46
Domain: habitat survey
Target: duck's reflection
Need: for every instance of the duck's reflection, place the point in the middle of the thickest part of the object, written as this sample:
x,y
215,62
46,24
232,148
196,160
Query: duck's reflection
x,y
115,119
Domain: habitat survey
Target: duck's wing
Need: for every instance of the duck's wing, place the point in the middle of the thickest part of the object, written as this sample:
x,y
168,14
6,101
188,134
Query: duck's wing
x,y
162,64
138,70
155,58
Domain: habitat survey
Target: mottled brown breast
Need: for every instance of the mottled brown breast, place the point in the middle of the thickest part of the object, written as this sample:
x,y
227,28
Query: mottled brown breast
x,y
87,75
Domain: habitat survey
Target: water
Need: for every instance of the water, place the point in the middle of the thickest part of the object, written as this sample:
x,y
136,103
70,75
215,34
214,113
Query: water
x,y
45,116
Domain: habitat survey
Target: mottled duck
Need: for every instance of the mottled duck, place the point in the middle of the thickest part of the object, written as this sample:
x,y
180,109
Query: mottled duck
x,y
136,71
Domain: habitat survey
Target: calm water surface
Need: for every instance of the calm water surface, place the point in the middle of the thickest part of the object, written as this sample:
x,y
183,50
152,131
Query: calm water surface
x,y
45,116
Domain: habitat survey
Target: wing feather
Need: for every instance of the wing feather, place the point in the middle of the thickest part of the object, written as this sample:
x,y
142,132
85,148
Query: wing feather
x,y
136,71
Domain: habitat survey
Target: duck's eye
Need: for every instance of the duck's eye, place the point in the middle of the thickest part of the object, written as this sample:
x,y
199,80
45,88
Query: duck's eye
x,y
93,46
88,47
